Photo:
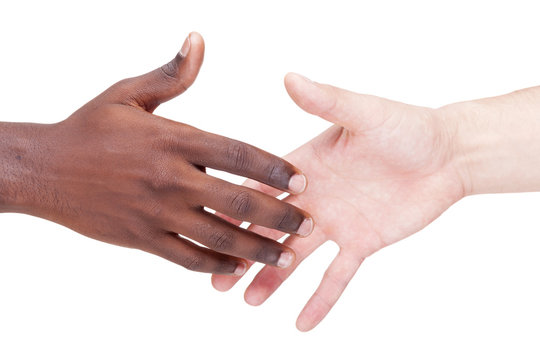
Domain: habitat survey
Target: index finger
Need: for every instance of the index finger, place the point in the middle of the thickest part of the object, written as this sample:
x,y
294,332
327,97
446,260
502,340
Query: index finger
x,y
236,157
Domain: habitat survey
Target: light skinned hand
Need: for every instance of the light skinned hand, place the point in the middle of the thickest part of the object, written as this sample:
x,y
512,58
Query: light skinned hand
x,y
382,172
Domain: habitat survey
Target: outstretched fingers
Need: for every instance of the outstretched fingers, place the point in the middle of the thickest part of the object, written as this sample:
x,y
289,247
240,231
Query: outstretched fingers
x,y
236,157
269,279
193,257
226,282
335,280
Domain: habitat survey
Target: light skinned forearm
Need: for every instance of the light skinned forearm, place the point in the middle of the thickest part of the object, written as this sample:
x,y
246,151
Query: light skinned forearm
x,y
497,142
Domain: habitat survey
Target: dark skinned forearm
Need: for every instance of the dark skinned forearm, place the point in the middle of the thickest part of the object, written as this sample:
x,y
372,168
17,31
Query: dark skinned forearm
x,y
23,152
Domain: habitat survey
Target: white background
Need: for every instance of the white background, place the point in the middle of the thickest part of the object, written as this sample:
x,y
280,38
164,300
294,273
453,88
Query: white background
x,y
465,287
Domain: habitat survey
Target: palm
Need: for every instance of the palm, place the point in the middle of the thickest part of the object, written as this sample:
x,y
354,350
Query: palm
x,y
376,177
380,188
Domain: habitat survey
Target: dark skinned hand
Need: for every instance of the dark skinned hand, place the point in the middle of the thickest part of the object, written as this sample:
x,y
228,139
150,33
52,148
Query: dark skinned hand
x,y
115,172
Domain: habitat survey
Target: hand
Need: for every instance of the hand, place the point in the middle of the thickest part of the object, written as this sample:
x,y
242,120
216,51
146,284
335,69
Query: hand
x,y
115,172
381,173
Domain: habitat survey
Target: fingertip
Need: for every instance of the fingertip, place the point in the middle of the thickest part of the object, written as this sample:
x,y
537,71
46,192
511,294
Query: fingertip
x,y
196,51
288,78
303,325
253,298
291,82
196,38
306,93
292,77
309,318
194,43
219,283
187,66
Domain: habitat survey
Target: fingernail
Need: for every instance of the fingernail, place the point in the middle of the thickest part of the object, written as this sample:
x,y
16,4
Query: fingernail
x,y
306,227
185,48
297,183
240,269
285,259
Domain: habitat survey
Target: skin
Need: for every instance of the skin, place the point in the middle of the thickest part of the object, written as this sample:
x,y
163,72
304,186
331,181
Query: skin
x,y
386,170
115,172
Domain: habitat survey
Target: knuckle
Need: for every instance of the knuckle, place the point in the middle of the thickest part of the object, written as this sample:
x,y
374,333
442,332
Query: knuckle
x,y
176,138
126,92
105,112
101,119
171,72
150,243
241,203
193,263
170,69
138,235
221,241
123,85
238,155
162,178
121,92
154,208
167,141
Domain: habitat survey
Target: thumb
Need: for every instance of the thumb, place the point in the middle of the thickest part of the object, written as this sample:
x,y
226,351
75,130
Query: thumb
x,y
170,80
355,112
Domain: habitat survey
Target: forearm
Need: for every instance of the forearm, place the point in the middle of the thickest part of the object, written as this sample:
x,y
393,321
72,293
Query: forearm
x,y
22,156
497,142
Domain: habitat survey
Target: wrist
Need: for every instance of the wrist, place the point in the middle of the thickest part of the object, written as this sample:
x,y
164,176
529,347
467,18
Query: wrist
x,y
458,119
496,142
23,155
